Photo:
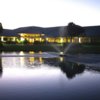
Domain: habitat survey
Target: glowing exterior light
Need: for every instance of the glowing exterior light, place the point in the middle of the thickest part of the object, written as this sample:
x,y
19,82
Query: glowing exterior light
x,y
40,39
61,40
22,39
31,52
14,39
61,59
46,39
80,40
2,39
69,40
21,53
31,40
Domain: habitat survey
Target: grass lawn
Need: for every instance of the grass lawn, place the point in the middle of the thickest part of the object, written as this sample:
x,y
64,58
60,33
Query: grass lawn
x,y
74,48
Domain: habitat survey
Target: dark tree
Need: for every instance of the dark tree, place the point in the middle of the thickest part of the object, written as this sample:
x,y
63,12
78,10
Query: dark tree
x,y
74,30
1,69
71,69
1,28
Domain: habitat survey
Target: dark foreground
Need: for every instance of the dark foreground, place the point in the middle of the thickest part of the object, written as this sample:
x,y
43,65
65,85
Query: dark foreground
x,y
71,48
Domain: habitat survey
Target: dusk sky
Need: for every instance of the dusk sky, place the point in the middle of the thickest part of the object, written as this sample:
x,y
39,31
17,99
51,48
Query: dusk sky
x,y
49,13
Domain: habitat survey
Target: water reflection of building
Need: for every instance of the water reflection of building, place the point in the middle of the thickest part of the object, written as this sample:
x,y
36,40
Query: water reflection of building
x,y
68,68
33,61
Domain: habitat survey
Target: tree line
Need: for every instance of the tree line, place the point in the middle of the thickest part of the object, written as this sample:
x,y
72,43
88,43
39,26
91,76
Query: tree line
x,y
1,28
74,30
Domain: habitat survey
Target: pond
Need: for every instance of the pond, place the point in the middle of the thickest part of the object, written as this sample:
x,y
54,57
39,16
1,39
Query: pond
x,y
48,76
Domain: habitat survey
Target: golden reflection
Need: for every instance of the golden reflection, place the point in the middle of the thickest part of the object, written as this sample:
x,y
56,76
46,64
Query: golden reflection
x,y
31,60
22,59
61,59
41,60
35,61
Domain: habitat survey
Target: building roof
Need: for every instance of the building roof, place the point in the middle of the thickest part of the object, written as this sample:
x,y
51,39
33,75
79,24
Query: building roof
x,y
92,31
47,31
7,32
52,32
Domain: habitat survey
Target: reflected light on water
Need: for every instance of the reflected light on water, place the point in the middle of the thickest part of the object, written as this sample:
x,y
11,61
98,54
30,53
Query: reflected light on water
x,y
28,67
31,59
47,78
22,59
61,59
41,60
34,73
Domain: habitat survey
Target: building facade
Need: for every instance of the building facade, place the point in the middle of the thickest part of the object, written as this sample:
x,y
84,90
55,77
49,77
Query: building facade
x,y
91,35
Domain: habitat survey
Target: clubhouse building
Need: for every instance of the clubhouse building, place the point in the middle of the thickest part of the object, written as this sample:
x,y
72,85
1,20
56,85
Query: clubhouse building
x,y
31,35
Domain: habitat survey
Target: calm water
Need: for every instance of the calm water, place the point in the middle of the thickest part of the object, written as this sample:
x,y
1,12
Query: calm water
x,y
43,76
